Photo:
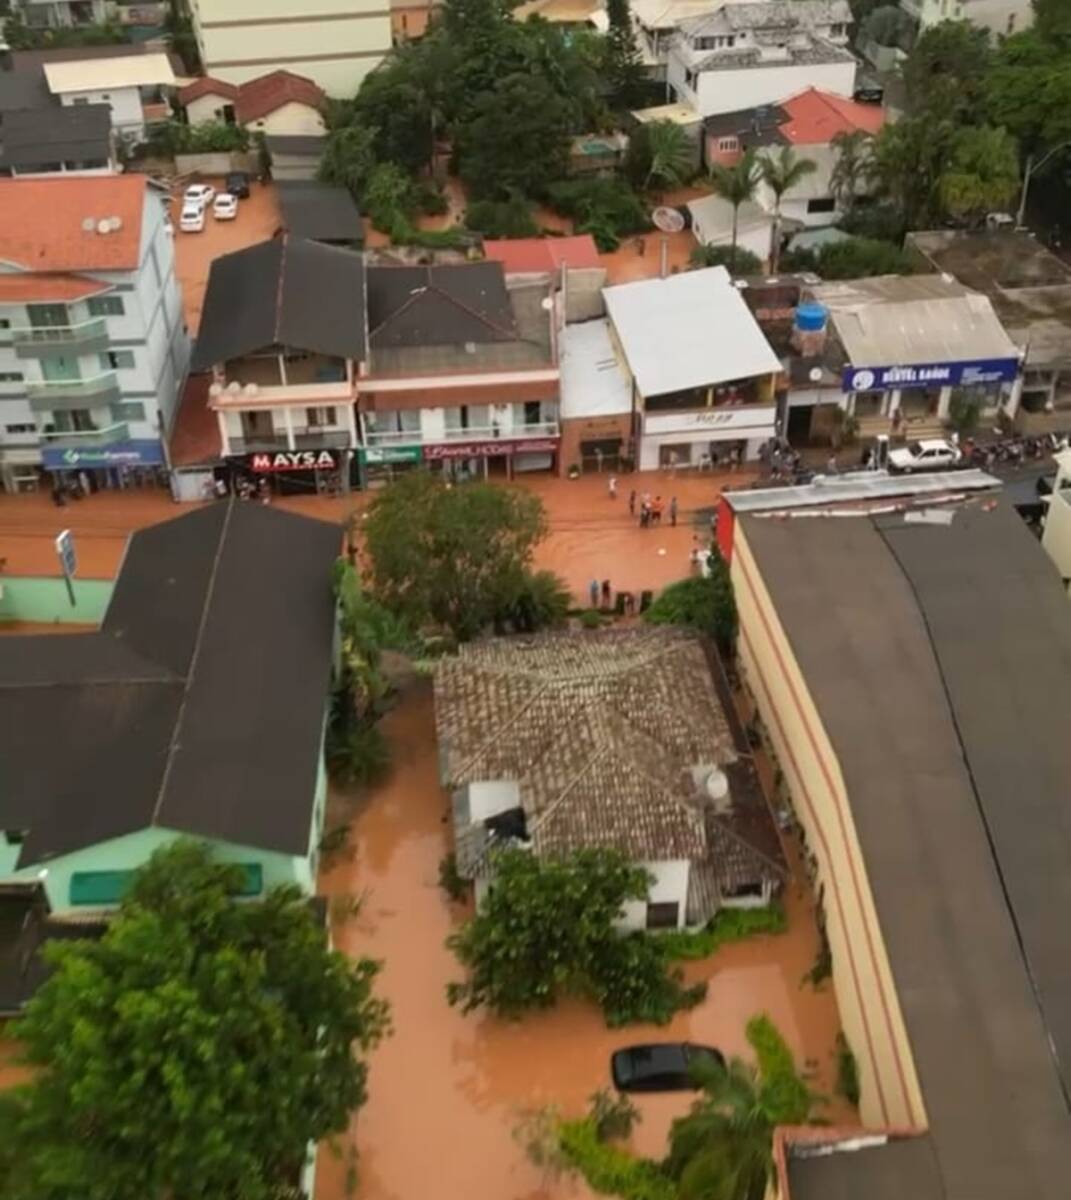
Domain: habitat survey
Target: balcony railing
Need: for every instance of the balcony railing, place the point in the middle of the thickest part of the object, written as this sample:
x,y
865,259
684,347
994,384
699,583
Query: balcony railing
x,y
96,392
32,341
304,439
81,439
474,433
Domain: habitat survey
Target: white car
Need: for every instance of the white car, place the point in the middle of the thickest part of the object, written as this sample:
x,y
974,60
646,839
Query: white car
x,y
198,193
192,219
928,455
225,207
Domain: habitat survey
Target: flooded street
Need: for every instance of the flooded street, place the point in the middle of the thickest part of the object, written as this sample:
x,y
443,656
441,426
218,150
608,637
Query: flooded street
x,y
445,1090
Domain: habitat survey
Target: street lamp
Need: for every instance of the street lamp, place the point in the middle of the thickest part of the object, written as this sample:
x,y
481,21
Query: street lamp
x,y
1028,174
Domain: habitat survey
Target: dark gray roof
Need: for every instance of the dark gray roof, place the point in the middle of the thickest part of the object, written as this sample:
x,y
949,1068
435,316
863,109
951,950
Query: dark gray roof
x,y
22,77
444,305
299,144
759,126
173,714
320,212
938,659
59,133
901,1169
287,291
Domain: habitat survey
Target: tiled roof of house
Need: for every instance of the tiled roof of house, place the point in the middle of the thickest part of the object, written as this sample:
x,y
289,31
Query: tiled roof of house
x,y
258,97
39,289
206,85
815,117
46,225
542,255
608,736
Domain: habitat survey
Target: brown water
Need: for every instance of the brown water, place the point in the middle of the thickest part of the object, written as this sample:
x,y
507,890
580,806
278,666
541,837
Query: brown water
x,y
446,1091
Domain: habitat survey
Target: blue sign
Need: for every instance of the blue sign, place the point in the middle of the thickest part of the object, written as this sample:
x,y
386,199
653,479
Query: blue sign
x,y
136,452
953,374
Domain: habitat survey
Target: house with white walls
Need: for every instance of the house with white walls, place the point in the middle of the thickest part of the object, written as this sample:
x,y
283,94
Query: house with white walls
x,y
136,87
279,104
745,54
563,742
1000,17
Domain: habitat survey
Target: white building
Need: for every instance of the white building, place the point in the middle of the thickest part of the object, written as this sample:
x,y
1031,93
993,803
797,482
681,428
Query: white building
x,y
1056,535
744,54
279,104
1000,17
703,374
94,346
62,14
334,42
134,86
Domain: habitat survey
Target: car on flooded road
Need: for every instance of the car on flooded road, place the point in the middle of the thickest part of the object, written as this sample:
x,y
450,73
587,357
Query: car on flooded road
x,y
660,1066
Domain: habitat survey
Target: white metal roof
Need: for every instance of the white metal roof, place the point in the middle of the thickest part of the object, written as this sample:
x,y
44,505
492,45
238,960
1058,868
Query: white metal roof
x,y
686,331
94,74
859,486
593,382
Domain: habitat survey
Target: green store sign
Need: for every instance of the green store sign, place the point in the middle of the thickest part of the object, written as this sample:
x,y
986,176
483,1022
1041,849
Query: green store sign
x,y
371,456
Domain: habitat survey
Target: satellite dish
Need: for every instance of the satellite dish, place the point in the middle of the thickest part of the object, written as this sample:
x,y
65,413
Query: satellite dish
x,y
234,387
215,389
815,374
104,226
546,304
668,220
717,785
251,389
116,222
88,224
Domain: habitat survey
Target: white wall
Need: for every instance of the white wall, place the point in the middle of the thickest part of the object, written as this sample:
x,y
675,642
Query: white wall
x,y
206,108
755,238
292,120
728,91
670,884
125,103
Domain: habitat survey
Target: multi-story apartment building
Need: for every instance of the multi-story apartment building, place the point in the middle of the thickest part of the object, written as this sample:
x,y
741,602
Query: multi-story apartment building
x,y
742,55
334,42
62,14
93,346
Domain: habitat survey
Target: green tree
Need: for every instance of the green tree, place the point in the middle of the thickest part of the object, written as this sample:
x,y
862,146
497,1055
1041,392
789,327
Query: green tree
x,y
623,66
1052,20
908,159
452,555
671,155
945,74
982,173
723,1149
397,103
390,200
348,158
858,257
704,603
737,185
745,263
516,139
196,1050
852,168
547,930
890,26
1028,91
502,218
781,172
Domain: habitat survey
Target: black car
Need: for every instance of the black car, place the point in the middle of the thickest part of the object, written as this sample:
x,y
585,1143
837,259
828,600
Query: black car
x,y
869,93
237,183
660,1066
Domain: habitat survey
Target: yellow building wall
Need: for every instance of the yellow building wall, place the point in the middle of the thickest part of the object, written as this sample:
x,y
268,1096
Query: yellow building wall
x,y
870,1012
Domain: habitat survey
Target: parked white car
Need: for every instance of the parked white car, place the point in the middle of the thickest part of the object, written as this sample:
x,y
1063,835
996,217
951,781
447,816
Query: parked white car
x,y
198,193
931,454
225,207
192,219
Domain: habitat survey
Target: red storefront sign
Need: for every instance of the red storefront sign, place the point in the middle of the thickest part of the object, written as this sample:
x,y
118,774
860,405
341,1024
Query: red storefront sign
x,y
494,449
293,460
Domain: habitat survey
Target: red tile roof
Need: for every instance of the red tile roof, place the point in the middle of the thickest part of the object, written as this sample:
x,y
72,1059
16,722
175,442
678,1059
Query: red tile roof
x,y
261,96
520,256
206,86
36,288
815,118
42,229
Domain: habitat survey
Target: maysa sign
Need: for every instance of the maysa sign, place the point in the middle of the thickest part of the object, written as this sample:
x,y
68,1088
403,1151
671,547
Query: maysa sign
x,y
294,460
955,374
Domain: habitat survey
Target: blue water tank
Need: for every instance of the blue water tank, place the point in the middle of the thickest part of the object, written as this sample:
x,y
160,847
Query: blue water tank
x,y
811,317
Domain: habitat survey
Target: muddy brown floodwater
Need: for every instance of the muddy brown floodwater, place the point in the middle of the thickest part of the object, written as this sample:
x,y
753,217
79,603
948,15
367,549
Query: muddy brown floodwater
x,y
446,1090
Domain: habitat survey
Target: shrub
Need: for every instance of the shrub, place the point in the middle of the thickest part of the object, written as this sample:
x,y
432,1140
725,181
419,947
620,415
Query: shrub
x,y
729,925
609,1169
357,755
390,200
745,262
705,604
847,1072
613,1116
431,200
541,602
787,1096
502,218
607,208
591,618
208,137
859,257
450,879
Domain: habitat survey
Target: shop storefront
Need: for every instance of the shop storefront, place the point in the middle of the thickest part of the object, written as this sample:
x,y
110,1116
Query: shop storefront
x,y
137,462
479,459
378,465
706,437
927,389
292,472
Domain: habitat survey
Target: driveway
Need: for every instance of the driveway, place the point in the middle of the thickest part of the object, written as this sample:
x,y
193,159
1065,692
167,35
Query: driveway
x,y
446,1089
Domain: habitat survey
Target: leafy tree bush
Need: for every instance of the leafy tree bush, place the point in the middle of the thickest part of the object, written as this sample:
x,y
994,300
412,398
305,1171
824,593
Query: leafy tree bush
x,y
208,137
608,1169
878,222
357,753
622,66
452,882
547,930
541,602
390,200
454,556
945,74
982,174
707,605
847,1072
614,1115
20,36
348,158
502,218
729,925
607,208
722,256
851,259
196,1049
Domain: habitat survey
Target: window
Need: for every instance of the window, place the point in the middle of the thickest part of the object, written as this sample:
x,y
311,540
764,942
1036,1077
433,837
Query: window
x,y
689,80
106,306
728,143
533,412
117,360
838,30
20,428
5,323
80,100
743,891
128,410
825,205
662,916
1011,23
318,417
11,377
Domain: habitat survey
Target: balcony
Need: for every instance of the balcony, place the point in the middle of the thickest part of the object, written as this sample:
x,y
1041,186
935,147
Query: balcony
x,y
85,439
474,433
33,341
304,439
65,394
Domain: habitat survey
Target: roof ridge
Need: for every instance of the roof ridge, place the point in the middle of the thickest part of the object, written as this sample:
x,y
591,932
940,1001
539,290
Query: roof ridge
x,y
597,756
477,754
280,287
511,333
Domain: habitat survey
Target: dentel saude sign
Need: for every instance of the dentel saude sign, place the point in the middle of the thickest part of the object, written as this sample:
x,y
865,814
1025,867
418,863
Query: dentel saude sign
x,y
951,374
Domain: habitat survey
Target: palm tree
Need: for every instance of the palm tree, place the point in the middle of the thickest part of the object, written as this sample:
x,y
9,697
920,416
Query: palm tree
x,y
671,154
781,174
736,185
853,165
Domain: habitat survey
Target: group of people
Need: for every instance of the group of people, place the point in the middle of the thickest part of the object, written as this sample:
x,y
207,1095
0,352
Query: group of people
x,y
602,595
650,509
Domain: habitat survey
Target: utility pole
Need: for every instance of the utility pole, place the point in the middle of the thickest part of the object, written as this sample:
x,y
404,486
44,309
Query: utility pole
x,y
1028,174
